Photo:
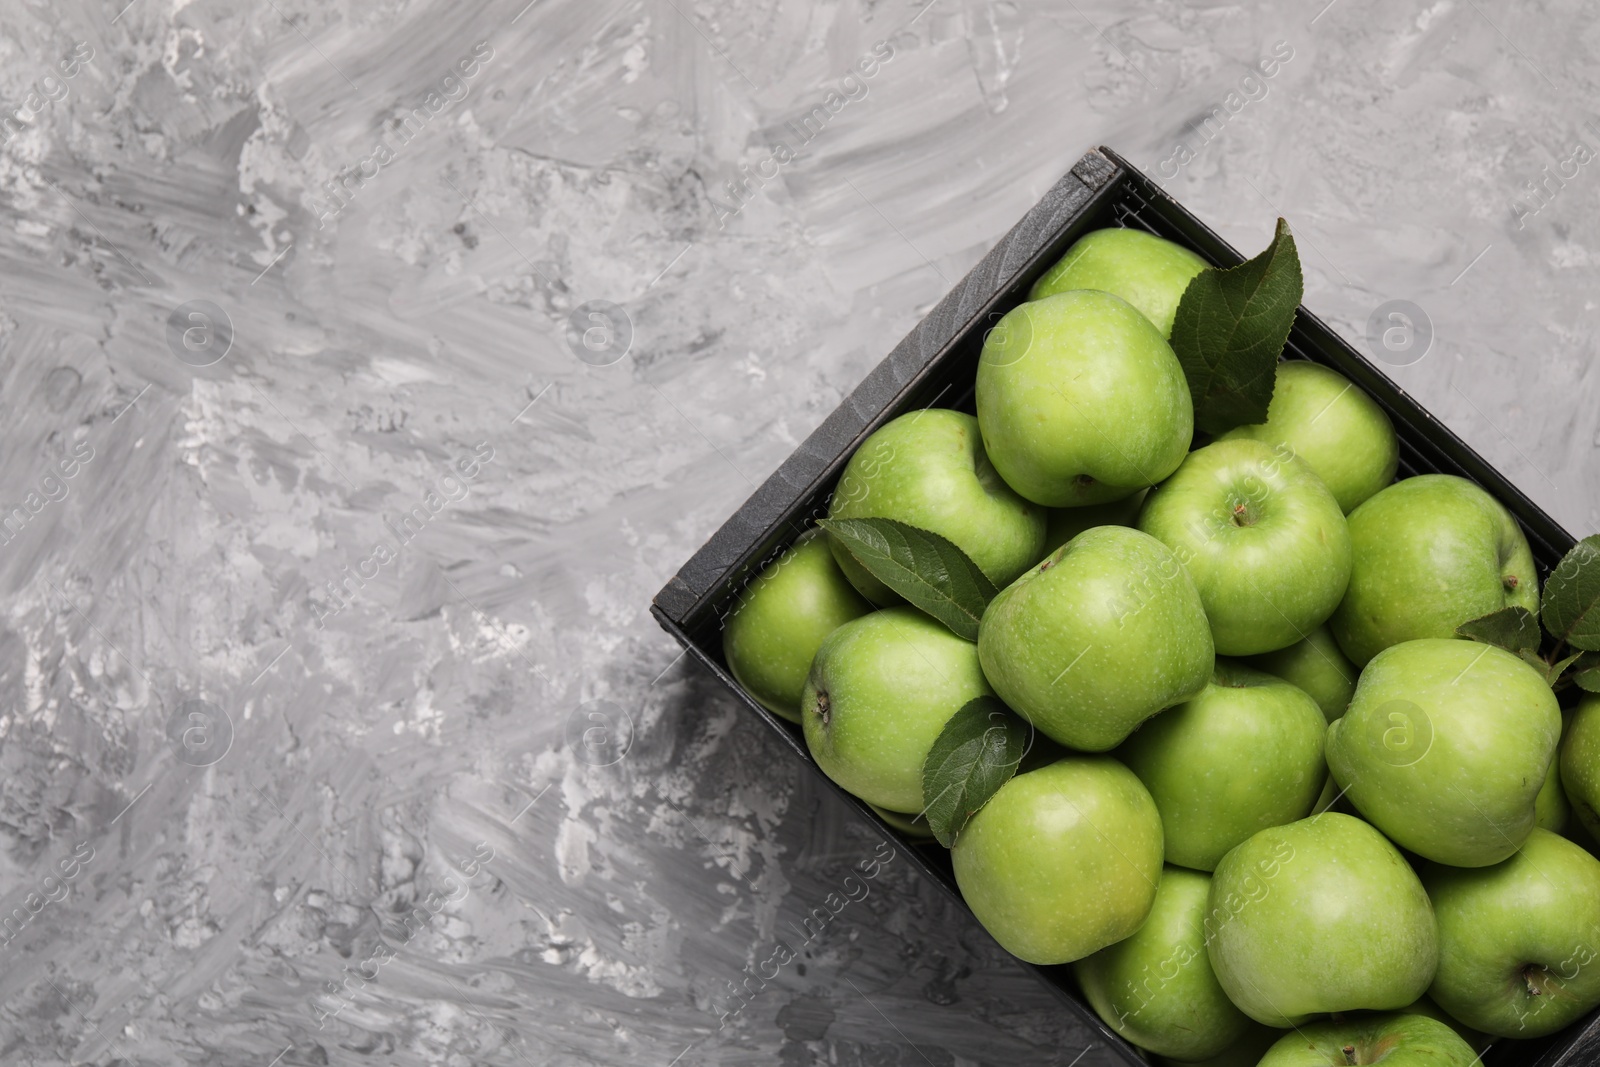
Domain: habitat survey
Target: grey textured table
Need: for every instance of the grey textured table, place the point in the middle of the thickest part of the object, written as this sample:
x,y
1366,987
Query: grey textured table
x,y
327,559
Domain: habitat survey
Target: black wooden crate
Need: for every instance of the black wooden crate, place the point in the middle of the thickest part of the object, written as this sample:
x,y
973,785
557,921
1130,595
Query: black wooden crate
x,y
935,365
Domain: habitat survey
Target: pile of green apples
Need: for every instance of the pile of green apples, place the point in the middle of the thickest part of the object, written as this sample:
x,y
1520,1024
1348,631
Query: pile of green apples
x,y
1273,806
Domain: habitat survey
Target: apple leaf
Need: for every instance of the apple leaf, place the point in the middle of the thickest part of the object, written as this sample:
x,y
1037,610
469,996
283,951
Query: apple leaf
x,y
1513,629
977,752
1230,329
1587,676
921,566
1571,606
1552,672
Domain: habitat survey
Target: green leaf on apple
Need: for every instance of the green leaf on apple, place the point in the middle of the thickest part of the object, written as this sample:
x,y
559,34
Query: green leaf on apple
x,y
1230,330
1513,629
1571,605
929,571
1552,671
1587,674
977,752
1559,667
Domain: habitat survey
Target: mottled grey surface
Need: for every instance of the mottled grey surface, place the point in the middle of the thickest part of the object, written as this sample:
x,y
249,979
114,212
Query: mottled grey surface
x,y
220,778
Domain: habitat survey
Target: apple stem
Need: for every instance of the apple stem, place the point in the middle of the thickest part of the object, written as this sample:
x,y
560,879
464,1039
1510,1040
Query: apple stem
x,y
1349,1054
1509,581
822,707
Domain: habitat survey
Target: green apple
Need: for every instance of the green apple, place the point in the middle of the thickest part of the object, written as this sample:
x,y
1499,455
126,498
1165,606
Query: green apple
x,y
1394,1039
1147,271
1331,794
780,619
928,469
1445,747
1103,634
1317,666
1321,915
1245,1052
1244,755
1263,538
1081,400
912,826
880,690
1063,524
1428,554
1338,430
1425,1006
1580,764
1156,988
1519,942
1062,861
1550,808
